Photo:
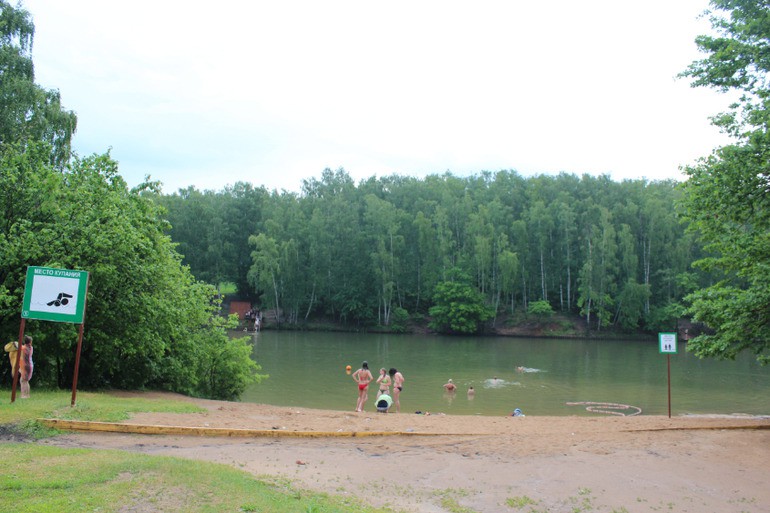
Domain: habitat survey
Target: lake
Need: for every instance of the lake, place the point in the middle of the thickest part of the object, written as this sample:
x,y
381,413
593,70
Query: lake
x,y
539,376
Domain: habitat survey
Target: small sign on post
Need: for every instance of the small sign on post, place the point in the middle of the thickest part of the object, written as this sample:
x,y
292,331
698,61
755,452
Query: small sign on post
x,y
667,345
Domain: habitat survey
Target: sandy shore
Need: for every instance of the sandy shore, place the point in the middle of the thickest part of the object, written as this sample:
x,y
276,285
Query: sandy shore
x,y
702,464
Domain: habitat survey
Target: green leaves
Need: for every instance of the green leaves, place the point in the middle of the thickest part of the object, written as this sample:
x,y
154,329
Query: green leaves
x,y
148,323
458,308
29,113
727,195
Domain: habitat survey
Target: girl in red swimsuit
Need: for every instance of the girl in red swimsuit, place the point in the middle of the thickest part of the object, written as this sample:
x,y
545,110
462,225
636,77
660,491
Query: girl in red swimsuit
x,y
363,377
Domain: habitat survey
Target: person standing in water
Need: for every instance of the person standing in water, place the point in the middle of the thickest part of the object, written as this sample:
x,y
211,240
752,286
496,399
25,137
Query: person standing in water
x,y
384,382
398,386
363,377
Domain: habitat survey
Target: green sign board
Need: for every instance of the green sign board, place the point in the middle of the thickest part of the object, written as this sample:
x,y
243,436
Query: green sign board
x,y
55,295
667,343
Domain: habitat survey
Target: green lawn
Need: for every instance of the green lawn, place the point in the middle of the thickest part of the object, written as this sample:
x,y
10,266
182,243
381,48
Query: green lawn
x,y
22,414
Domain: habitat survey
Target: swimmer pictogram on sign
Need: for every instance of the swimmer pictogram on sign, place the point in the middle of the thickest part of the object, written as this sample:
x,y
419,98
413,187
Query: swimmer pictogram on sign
x,y
62,299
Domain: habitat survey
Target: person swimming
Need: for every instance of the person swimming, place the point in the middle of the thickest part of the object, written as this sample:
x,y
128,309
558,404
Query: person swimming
x,y
494,382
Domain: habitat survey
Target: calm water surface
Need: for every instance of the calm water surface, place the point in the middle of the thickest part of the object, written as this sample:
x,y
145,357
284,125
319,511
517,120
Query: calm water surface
x,y
308,370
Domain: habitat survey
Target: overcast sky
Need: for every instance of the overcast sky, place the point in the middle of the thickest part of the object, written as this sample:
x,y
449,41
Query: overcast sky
x,y
210,93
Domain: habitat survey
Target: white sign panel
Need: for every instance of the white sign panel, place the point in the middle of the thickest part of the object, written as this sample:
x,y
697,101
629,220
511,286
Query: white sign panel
x,y
55,294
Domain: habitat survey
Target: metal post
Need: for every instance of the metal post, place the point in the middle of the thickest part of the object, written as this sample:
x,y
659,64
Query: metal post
x,y
77,366
668,361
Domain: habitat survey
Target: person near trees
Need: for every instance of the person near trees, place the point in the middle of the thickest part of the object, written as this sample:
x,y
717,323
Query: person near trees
x,y
363,377
12,348
26,366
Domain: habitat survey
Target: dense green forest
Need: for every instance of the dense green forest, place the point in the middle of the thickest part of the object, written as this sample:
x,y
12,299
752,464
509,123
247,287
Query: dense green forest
x,y
374,253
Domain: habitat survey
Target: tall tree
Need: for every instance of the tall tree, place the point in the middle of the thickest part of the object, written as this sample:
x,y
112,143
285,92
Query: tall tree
x,y
381,223
28,113
265,272
727,194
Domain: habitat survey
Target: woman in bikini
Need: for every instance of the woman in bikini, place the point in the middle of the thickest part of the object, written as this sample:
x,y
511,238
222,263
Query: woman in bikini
x,y
384,381
363,377
398,386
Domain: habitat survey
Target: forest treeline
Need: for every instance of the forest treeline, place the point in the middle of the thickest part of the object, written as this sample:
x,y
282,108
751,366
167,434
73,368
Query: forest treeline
x,y
374,253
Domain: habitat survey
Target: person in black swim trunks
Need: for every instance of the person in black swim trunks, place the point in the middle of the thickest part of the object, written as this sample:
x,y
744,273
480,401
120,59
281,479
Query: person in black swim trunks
x,y
398,386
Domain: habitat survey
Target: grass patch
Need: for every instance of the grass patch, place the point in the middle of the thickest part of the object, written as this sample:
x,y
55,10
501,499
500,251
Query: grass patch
x,y
45,479
450,504
23,413
448,500
519,502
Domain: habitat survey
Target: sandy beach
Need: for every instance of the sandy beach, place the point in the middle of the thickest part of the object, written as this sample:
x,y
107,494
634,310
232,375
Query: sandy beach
x,y
604,463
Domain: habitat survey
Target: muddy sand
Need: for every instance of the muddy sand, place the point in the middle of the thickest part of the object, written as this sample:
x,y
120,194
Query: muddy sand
x,y
439,463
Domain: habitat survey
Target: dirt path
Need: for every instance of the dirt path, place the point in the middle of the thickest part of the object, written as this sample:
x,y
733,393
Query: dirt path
x,y
489,464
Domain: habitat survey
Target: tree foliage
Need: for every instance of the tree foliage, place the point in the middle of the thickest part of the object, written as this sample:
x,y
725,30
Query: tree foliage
x,y
540,308
28,113
149,323
458,307
727,195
